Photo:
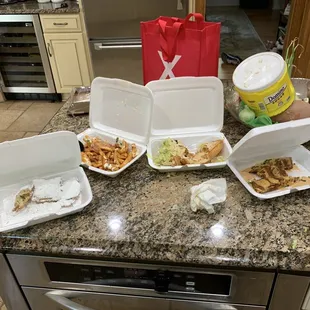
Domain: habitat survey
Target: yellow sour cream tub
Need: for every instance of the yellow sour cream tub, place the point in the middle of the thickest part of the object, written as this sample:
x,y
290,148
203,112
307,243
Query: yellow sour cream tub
x,y
263,83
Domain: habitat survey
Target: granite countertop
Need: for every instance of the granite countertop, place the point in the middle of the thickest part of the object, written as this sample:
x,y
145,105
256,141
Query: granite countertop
x,y
145,215
33,7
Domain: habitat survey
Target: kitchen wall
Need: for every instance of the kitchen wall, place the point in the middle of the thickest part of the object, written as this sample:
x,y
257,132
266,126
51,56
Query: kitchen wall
x,y
276,4
222,2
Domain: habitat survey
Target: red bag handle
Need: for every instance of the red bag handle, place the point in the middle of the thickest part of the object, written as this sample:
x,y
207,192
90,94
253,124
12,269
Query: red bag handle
x,y
169,49
198,17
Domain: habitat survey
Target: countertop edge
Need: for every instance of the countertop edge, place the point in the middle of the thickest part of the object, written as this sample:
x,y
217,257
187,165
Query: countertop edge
x,y
164,253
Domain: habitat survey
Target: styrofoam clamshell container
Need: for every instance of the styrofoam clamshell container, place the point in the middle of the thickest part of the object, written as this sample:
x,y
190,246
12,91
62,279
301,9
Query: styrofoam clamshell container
x,y
45,156
190,109
276,141
121,109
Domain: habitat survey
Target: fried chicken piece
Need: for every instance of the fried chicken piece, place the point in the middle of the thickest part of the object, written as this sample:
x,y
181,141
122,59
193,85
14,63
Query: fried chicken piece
x,y
22,199
278,172
285,163
213,149
200,158
185,161
264,173
263,186
274,182
176,161
288,163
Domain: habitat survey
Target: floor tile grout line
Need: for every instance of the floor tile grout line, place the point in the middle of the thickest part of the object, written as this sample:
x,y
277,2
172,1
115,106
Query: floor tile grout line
x,y
7,129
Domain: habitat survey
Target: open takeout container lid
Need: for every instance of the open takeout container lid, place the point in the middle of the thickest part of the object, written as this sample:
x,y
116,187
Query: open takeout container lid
x,y
267,142
187,105
121,108
38,156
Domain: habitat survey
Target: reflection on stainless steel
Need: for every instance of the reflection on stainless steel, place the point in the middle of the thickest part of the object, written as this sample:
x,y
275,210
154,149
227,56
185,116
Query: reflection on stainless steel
x,y
41,299
24,64
61,300
114,33
137,286
289,292
9,290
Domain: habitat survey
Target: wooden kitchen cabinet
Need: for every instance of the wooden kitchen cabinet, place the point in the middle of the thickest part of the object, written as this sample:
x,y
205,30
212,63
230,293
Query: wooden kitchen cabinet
x,y
68,60
67,50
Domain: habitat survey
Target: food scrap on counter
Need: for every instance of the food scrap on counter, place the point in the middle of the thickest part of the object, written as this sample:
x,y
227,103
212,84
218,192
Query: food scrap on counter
x,y
175,153
41,191
107,156
273,174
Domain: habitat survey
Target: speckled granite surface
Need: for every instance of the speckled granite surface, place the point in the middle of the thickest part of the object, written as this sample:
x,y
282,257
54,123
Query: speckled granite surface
x,y
33,7
145,215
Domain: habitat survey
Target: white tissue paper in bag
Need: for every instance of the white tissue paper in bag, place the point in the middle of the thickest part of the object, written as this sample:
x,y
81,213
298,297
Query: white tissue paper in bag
x,y
208,193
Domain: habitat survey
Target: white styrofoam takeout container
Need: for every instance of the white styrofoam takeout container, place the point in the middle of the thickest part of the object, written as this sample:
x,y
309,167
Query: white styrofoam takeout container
x,y
45,156
121,109
279,140
190,109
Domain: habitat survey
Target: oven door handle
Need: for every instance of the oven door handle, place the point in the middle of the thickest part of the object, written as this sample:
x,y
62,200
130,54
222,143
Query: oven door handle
x,y
64,302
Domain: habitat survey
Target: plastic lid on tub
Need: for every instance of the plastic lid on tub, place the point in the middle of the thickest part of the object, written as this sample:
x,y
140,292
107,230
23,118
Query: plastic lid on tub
x,y
187,105
259,71
268,140
38,156
121,108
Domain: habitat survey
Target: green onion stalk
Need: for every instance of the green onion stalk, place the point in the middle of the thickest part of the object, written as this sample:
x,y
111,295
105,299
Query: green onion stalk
x,y
291,53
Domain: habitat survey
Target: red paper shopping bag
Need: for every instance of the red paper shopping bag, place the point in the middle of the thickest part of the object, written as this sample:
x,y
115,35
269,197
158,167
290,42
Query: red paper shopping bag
x,y
174,47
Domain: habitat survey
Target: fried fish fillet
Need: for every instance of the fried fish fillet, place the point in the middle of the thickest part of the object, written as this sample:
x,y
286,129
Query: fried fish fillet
x,y
22,199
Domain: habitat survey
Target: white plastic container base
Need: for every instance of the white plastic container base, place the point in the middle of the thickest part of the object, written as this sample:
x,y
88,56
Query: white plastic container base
x,y
45,156
190,109
280,140
121,109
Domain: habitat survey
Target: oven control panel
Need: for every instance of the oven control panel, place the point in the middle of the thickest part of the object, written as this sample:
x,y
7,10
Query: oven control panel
x,y
159,280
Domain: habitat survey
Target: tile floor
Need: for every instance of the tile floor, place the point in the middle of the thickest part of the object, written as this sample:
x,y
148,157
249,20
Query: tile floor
x,y
20,119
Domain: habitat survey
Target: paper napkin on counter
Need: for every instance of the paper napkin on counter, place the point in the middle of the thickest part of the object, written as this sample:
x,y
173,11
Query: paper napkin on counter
x,y
208,193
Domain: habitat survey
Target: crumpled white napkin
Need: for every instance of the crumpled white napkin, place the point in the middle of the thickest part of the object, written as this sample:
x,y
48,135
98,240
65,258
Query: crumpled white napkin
x,y
208,193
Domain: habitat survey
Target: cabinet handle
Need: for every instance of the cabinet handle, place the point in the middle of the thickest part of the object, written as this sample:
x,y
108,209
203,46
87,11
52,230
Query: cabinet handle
x,y
49,49
60,24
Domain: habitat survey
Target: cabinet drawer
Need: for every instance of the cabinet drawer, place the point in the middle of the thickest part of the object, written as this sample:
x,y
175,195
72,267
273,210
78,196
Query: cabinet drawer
x,y
61,23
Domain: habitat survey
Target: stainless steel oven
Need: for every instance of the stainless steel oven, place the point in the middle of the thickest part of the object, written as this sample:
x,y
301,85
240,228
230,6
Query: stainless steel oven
x,y
24,65
10,291
113,28
52,283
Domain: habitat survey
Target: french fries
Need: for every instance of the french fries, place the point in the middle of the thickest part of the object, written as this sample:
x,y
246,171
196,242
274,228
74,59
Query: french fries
x,y
103,155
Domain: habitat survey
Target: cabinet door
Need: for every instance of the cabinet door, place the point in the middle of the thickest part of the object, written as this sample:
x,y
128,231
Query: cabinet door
x,y
68,60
